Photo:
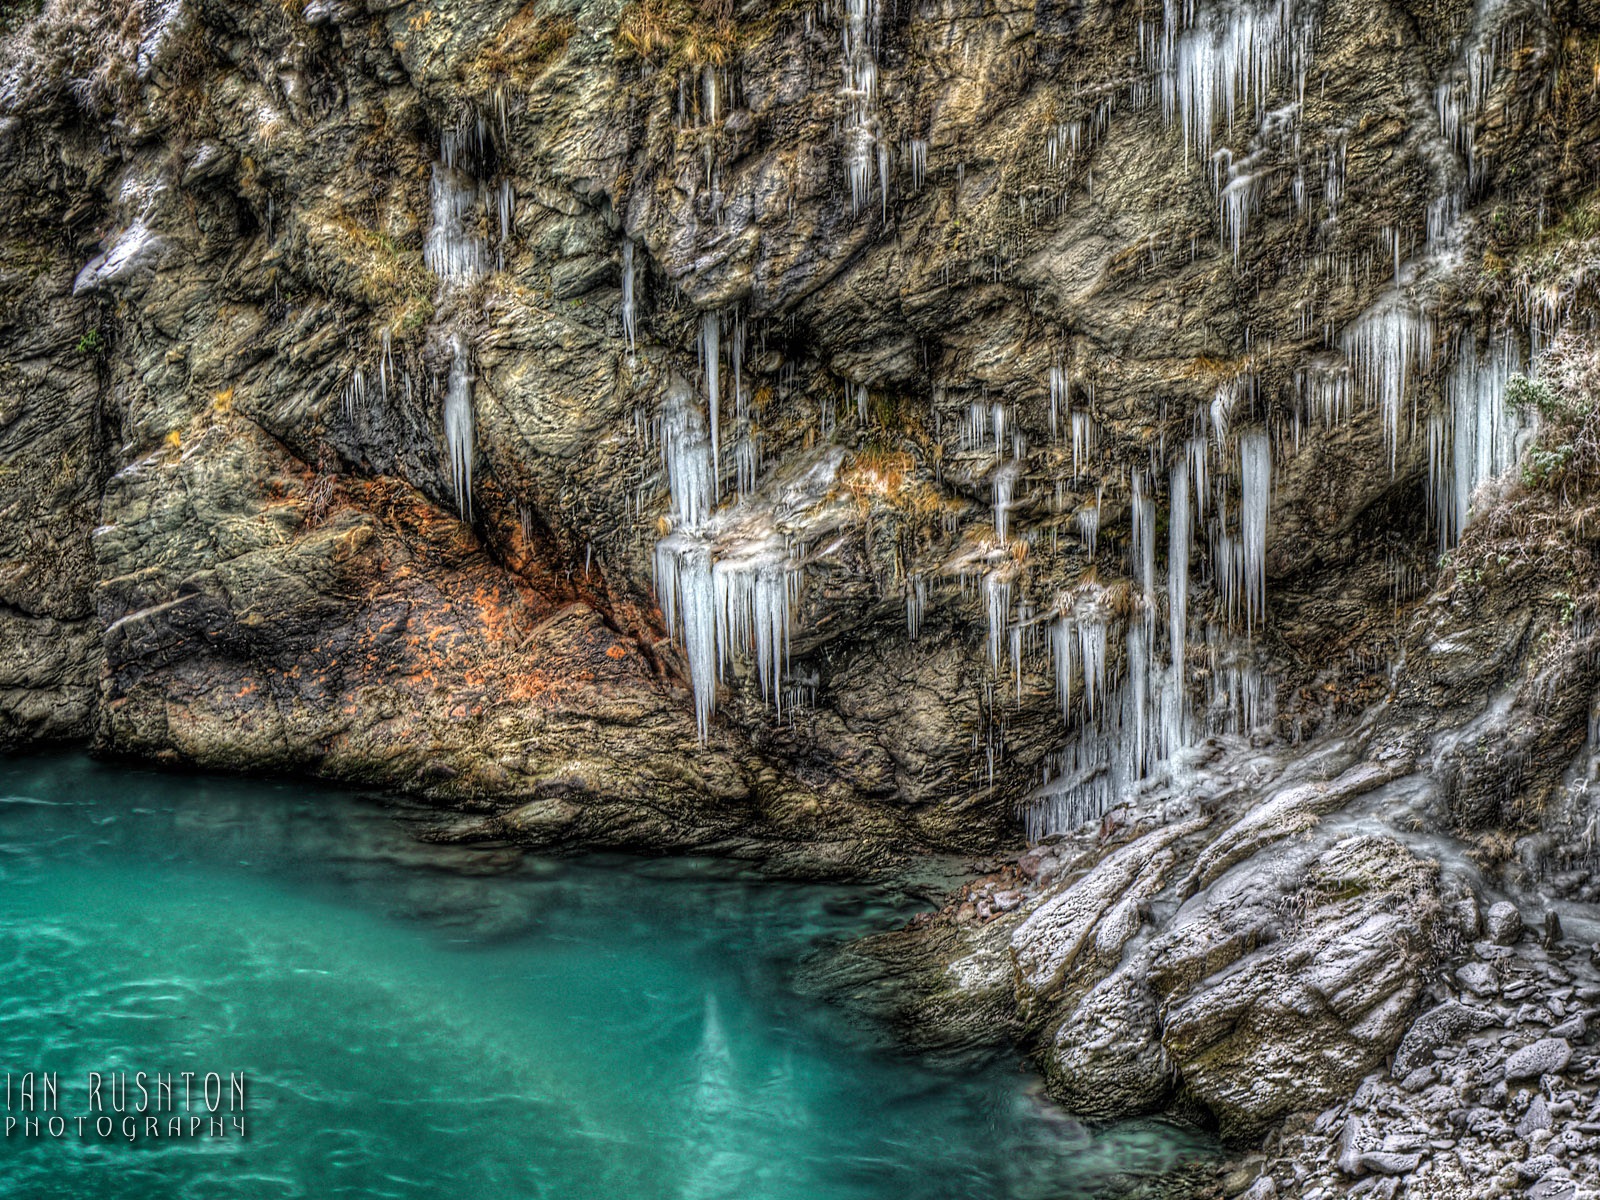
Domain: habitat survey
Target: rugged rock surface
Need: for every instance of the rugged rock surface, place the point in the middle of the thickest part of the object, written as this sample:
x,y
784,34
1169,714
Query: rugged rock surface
x,y
231,347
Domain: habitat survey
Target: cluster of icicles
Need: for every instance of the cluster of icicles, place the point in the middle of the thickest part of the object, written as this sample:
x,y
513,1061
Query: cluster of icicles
x,y
729,578
729,581
466,213
726,576
1126,715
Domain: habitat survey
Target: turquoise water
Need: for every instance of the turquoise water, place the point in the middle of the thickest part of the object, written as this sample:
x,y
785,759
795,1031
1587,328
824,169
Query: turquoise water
x,y
417,1020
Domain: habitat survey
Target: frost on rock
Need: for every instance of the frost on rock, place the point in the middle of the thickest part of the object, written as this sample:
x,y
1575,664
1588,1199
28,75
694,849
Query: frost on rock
x,y
136,249
162,23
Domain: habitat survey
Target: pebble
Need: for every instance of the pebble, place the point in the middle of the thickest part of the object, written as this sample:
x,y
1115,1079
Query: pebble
x,y
1479,979
1553,1189
1573,1029
1536,1167
1418,1079
1386,1162
1431,1033
1350,1138
1537,1117
1544,1057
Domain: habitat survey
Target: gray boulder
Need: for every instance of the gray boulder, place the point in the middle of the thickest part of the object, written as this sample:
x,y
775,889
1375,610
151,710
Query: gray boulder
x,y
1544,1057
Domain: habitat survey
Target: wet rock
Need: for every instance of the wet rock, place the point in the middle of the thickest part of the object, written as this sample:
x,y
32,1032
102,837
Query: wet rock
x,y
1503,923
1386,1162
1107,1057
1552,931
1419,1079
1550,1188
1574,1029
1478,978
1345,983
1353,1143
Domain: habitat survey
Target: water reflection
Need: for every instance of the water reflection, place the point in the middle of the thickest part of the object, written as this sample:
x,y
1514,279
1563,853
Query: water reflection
x,y
417,1019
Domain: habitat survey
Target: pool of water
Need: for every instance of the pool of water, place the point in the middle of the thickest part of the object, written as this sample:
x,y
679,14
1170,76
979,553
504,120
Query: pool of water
x,y
421,1020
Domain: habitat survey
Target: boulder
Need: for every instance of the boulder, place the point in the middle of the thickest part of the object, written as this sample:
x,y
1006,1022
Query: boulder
x,y
1503,923
1547,1056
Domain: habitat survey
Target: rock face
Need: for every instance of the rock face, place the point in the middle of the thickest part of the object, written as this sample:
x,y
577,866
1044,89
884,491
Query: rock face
x,y
360,354
1273,988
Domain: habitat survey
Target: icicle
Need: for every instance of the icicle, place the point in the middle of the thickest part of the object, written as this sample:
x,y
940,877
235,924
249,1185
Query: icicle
x,y
1388,346
1138,698
687,456
1062,640
506,199
385,365
919,162
1178,544
458,431
862,135
453,251
629,315
1005,482
1142,512
711,363
916,604
1092,657
1200,479
688,602
1060,399
1088,527
1085,438
1255,486
755,591
1226,56
354,397
1236,201
1486,435
997,598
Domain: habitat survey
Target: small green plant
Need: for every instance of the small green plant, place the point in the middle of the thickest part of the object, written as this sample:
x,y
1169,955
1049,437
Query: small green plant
x,y
1568,445
1526,394
1569,606
91,342
1544,464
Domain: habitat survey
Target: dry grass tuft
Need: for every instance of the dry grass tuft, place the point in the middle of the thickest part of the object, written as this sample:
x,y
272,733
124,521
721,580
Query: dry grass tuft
x,y
678,33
